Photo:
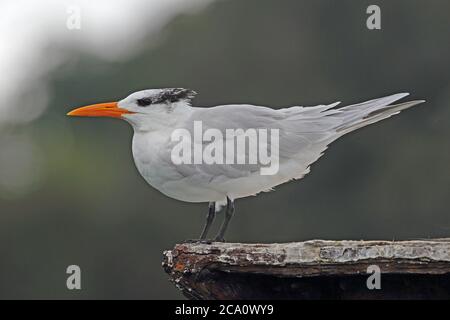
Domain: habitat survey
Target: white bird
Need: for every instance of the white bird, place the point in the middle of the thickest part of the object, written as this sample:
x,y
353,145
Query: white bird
x,y
304,134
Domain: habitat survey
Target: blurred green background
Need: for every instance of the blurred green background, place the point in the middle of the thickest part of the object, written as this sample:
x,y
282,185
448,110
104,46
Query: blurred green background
x,y
70,194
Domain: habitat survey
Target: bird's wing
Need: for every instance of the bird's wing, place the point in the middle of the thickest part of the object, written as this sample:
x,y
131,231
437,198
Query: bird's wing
x,y
304,133
296,141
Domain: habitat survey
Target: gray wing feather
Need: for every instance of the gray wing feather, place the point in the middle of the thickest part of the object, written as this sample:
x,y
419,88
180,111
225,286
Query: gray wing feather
x,y
304,132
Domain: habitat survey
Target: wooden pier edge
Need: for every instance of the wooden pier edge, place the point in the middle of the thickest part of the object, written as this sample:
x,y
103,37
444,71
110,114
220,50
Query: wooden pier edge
x,y
315,269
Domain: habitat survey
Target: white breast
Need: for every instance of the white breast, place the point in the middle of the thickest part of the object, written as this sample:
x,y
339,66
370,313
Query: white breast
x,y
151,155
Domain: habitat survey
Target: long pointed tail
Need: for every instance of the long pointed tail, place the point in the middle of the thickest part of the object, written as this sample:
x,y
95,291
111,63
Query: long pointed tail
x,y
362,114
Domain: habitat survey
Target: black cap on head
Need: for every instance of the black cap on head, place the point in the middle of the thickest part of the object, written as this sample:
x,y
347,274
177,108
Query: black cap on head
x,y
167,95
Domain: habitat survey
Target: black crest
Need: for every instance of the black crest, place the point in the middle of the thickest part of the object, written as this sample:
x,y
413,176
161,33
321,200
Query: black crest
x,y
168,95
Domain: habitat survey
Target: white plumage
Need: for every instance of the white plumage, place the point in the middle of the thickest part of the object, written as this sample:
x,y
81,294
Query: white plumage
x,y
304,135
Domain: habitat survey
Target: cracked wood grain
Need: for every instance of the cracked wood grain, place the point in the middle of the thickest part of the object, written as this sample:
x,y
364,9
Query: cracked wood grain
x,y
302,269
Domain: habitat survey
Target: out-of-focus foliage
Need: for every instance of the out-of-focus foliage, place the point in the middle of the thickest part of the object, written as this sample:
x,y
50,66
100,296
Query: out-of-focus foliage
x,y
90,207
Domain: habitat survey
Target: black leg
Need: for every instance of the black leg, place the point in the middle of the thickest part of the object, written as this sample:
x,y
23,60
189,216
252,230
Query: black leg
x,y
228,215
209,220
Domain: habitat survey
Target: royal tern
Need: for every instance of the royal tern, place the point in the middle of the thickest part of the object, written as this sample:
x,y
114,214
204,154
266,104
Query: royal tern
x,y
163,118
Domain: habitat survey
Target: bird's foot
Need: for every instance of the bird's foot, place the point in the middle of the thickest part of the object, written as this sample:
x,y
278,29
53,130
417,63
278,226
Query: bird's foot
x,y
203,241
219,239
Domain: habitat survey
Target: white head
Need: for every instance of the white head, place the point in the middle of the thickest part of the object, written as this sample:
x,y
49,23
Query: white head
x,y
145,110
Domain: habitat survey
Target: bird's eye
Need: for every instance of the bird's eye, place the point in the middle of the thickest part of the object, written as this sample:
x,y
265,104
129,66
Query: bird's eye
x,y
144,102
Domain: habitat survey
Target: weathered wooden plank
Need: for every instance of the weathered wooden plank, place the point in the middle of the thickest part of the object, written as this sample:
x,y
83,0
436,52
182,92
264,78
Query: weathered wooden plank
x,y
302,269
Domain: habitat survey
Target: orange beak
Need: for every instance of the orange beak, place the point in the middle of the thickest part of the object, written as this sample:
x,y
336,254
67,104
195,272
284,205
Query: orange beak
x,y
108,109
